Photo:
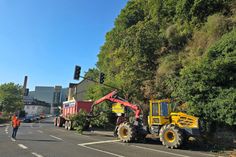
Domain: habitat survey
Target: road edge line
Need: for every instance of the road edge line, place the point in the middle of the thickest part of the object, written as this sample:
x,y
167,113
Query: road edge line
x,y
103,151
22,146
56,137
37,155
98,142
160,151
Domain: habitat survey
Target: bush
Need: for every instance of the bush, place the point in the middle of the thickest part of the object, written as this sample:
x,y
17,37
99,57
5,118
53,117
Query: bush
x,y
4,120
208,85
79,121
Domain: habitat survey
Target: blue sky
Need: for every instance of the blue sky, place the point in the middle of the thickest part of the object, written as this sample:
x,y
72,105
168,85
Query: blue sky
x,y
45,39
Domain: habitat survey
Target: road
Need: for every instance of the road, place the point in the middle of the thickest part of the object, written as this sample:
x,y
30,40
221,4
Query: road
x,y
42,139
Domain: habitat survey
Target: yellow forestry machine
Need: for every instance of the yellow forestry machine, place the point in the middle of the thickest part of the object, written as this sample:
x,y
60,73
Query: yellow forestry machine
x,y
172,128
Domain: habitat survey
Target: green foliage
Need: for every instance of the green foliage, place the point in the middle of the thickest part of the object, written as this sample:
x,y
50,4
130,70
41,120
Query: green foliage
x,y
162,48
79,121
201,9
132,14
11,97
4,120
216,26
208,85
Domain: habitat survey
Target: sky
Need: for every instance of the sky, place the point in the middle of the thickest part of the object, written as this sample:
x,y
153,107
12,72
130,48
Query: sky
x,y
45,39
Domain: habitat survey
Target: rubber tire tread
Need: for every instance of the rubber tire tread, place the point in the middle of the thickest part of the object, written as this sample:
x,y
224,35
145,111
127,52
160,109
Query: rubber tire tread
x,y
178,136
131,134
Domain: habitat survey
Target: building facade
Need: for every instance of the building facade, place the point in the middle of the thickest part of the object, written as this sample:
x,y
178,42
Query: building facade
x,y
79,91
35,107
54,96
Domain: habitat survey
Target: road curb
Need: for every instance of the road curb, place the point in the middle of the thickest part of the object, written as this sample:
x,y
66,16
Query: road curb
x,y
106,133
110,133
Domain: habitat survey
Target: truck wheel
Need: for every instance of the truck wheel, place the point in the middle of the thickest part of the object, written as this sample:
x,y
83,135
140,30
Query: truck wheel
x,y
171,136
126,132
59,121
70,127
55,121
66,125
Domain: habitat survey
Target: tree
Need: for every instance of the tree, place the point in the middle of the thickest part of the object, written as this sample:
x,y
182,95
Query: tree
x,y
209,84
11,97
153,48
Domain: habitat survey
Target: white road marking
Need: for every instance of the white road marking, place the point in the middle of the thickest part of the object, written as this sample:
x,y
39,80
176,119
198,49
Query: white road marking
x,y
13,139
99,142
160,151
35,154
172,153
207,154
6,132
40,131
6,129
22,146
56,137
106,152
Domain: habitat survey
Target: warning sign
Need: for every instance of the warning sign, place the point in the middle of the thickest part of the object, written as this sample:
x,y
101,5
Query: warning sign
x,y
118,108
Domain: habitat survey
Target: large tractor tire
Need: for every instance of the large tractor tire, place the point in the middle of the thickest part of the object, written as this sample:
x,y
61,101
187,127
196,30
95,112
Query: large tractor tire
x,y
171,136
126,132
55,121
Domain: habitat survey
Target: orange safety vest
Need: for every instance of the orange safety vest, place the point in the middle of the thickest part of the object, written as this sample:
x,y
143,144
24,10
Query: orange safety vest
x,y
15,123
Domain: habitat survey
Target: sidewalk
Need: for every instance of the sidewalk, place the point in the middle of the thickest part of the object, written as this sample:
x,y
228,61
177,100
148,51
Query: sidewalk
x,y
4,124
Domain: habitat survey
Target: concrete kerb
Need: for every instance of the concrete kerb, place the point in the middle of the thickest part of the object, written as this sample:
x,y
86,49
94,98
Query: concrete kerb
x,y
109,133
106,133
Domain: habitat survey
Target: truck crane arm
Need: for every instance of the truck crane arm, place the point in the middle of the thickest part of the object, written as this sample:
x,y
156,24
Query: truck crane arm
x,y
114,98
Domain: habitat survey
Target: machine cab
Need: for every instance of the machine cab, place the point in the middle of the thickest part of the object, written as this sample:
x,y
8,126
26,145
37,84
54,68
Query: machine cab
x,y
159,112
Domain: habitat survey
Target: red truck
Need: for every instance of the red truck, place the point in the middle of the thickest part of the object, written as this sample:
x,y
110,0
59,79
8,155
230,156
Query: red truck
x,y
70,108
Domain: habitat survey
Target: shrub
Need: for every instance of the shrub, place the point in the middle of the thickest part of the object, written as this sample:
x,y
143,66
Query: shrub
x,y
4,120
79,121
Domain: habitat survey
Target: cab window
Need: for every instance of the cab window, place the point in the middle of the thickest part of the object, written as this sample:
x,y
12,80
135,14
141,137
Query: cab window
x,y
164,108
154,109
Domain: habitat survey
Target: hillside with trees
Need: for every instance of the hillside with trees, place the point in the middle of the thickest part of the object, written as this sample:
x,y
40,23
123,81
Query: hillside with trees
x,y
184,49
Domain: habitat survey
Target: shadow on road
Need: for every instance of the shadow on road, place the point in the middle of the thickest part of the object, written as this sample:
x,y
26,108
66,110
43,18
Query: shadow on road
x,y
198,146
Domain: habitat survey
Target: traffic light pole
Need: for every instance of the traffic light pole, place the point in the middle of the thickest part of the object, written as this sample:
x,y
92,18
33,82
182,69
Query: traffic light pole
x,y
101,77
86,78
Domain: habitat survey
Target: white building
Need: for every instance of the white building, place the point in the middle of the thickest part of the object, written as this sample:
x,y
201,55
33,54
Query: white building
x,y
36,109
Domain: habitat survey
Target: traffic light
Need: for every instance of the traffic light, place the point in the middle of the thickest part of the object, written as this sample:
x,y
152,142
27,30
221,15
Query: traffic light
x,y
77,72
101,78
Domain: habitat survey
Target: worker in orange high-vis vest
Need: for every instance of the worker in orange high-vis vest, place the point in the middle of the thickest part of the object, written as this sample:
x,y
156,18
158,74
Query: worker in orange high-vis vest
x,y
15,126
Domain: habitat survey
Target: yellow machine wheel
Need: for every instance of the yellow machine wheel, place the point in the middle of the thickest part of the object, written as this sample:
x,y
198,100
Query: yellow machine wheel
x,y
126,132
171,136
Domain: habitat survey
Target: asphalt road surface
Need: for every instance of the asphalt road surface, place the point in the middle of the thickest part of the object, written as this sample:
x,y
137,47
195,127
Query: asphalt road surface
x,y
42,139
